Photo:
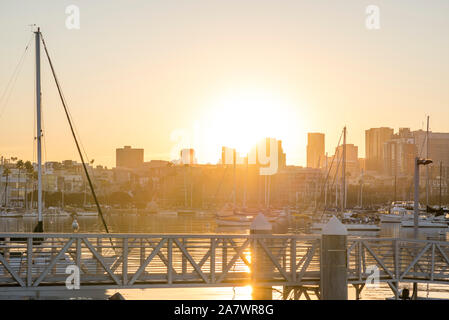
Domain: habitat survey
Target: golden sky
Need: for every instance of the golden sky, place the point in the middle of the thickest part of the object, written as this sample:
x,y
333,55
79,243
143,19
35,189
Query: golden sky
x,y
165,74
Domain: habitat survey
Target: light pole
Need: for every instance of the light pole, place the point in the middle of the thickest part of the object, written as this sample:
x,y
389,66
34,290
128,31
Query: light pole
x,y
418,162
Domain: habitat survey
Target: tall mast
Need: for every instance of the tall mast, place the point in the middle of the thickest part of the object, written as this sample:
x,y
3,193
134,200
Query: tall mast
x,y
325,186
246,184
39,227
427,167
234,188
441,174
336,177
361,190
343,173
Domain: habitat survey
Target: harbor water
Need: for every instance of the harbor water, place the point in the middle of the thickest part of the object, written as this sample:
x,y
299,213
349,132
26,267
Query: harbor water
x,y
199,222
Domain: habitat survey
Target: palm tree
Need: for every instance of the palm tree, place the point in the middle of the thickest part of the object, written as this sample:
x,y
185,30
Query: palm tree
x,y
20,166
6,173
29,170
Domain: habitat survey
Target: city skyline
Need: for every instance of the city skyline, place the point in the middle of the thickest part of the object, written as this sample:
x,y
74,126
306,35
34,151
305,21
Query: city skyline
x,y
282,84
317,156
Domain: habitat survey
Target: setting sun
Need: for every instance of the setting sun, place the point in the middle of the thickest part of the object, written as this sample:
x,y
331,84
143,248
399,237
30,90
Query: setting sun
x,y
241,119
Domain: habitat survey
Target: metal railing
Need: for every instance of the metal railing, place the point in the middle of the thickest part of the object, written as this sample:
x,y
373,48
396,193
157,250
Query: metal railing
x,y
155,260
39,261
398,260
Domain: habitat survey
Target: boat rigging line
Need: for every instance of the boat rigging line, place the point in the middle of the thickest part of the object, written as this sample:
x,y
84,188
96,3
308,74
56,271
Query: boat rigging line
x,y
12,81
328,174
64,104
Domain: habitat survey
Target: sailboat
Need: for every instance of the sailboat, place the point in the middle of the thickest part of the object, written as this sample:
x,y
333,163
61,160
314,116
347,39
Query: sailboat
x,y
186,211
353,226
52,211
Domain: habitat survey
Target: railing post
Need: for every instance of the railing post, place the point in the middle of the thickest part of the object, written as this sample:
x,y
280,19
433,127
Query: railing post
x,y
125,262
78,253
100,252
6,252
170,261
397,267
142,251
29,261
183,258
259,260
224,257
53,253
293,258
212,260
333,264
432,263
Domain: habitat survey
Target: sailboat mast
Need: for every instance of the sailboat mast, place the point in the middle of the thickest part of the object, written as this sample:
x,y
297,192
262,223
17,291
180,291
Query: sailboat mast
x,y
427,167
441,174
234,188
39,227
325,186
343,173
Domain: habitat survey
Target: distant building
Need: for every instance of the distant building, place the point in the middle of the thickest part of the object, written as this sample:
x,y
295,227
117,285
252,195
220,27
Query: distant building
x,y
352,160
315,150
187,156
399,154
228,156
374,147
438,146
280,156
295,185
128,157
362,164
156,164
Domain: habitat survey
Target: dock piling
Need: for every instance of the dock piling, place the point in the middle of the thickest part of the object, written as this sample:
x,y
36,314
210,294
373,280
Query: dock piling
x,y
334,273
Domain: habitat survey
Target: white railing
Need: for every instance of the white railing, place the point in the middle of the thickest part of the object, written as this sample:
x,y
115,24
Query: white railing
x,y
31,261
156,260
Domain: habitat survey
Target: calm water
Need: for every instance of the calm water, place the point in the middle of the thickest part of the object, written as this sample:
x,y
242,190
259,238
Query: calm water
x,y
130,222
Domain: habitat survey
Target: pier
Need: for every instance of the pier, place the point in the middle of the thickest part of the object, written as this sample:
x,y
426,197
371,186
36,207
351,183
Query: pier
x,y
33,262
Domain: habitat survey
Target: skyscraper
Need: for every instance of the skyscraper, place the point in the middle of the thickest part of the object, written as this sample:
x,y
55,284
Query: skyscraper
x,y
375,139
438,146
400,153
315,150
128,157
187,156
352,159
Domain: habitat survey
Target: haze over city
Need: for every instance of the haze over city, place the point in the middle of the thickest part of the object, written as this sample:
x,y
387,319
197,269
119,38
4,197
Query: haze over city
x,y
221,73
224,150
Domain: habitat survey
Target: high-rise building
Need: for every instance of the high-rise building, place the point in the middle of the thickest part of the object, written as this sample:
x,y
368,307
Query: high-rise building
x,y
352,159
438,146
128,157
399,154
315,150
374,147
187,156
228,156
282,158
265,146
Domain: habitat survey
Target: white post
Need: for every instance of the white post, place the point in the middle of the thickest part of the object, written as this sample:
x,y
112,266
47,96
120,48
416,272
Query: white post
x,y
333,264
259,261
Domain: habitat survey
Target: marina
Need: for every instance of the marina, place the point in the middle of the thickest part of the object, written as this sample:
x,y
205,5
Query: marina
x,y
197,232
253,152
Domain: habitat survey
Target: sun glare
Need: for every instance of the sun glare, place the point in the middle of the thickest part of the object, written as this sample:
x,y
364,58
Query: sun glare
x,y
240,120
